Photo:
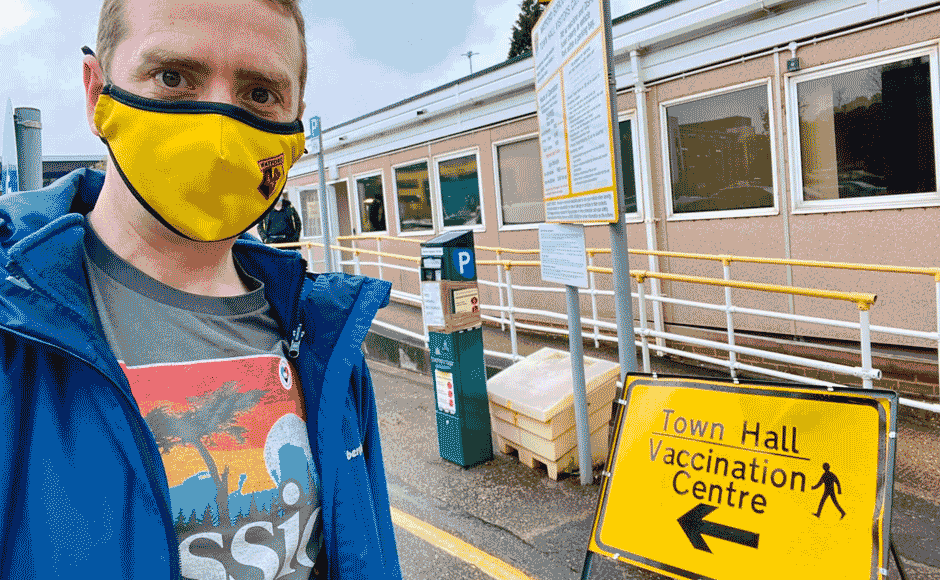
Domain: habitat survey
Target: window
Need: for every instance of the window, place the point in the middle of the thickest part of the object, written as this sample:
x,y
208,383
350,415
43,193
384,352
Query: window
x,y
310,213
460,191
867,132
718,152
519,165
413,188
371,204
626,167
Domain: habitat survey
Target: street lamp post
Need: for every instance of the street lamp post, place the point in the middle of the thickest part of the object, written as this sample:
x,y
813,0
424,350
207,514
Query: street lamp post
x,y
469,54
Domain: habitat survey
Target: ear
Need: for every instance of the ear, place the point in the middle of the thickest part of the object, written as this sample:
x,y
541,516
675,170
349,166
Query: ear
x,y
93,79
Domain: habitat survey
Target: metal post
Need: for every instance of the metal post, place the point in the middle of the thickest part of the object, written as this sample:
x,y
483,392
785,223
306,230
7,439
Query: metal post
x,y
644,337
618,231
642,133
355,246
732,356
936,279
597,343
576,347
499,289
324,212
29,147
378,248
512,315
866,345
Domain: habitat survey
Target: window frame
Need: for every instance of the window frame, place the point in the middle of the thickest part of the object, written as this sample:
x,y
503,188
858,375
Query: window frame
x,y
499,194
356,203
639,216
298,190
481,227
896,201
433,228
671,216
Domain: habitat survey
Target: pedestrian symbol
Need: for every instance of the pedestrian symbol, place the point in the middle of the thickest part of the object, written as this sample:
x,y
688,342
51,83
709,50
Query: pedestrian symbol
x,y
831,483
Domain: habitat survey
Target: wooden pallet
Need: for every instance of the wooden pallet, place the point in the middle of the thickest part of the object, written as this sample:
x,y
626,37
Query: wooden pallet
x,y
529,459
564,464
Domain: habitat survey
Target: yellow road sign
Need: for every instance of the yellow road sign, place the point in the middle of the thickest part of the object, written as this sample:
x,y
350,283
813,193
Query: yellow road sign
x,y
709,479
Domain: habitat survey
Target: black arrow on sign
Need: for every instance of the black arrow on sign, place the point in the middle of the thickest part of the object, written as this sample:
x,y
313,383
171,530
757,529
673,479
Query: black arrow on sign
x,y
694,527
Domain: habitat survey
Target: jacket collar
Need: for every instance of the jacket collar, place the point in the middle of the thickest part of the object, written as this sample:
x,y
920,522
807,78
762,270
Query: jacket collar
x,y
46,295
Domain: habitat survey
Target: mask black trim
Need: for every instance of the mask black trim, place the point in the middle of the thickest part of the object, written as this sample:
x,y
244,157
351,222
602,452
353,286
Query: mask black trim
x,y
202,107
161,219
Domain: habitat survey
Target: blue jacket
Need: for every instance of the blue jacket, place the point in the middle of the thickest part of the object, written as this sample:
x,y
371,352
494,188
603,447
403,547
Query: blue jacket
x,y
83,492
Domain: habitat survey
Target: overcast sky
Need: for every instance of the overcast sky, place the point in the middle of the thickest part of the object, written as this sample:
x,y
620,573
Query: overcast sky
x,y
362,56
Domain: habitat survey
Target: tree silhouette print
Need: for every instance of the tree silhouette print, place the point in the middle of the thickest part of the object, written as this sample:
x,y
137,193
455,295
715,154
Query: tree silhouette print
x,y
210,415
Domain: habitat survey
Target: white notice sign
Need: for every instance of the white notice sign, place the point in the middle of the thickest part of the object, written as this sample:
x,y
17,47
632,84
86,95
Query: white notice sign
x,y
575,122
431,299
562,252
588,136
552,138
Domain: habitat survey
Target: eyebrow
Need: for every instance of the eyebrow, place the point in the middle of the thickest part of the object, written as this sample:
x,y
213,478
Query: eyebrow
x,y
161,56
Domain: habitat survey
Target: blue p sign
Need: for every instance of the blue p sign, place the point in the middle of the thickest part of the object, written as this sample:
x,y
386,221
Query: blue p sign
x,y
314,127
463,261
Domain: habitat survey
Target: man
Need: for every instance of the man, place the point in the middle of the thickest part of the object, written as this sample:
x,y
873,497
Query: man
x,y
180,400
281,224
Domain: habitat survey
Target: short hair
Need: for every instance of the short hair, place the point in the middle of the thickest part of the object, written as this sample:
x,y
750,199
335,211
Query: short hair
x,y
112,29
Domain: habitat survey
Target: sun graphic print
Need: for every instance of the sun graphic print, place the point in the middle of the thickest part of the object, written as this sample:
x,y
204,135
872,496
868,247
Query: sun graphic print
x,y
243,483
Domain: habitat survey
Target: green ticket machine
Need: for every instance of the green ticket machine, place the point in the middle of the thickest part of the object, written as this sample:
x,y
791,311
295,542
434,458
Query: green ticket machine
x,y
451,304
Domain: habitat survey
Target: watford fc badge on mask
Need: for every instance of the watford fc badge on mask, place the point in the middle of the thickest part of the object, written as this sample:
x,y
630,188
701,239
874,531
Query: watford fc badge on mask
x,y
271,169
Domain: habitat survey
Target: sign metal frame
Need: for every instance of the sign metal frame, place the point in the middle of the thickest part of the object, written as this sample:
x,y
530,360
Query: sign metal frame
x,y
884,402
575,9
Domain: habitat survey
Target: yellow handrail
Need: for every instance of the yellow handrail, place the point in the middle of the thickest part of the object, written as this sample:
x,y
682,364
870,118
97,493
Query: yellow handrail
x,y
724,258
782,262
507,264
863,300
506,250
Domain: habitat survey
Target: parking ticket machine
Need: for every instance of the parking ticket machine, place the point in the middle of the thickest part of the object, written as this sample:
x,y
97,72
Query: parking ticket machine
x,y
451,305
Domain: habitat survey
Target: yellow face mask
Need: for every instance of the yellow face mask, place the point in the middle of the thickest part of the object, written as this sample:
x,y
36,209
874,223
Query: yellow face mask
x,y
207,171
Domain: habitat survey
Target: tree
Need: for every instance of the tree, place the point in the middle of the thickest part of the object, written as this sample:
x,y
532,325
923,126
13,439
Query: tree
x,y
522,31
212,414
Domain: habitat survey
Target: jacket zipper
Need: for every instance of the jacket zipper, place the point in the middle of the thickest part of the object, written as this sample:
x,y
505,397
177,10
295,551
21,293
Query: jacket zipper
x,y
135,419
293,351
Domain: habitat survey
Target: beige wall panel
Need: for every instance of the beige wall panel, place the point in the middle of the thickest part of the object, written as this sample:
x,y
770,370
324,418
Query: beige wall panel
x,y
756,69
408,155
514,129
306,180
755,236
626,101
887,37
908,237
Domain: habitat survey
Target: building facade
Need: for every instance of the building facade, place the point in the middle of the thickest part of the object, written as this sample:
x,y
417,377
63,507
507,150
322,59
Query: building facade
x,y
776,129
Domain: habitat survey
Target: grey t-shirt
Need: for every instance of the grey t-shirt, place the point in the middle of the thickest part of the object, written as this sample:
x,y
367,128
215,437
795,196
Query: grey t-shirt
x,y
214,385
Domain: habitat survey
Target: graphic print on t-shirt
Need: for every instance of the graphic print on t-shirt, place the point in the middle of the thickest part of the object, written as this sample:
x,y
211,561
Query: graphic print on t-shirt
x,y
243,484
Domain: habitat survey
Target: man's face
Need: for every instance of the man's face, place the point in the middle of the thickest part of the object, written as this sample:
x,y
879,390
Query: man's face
x,y
240,52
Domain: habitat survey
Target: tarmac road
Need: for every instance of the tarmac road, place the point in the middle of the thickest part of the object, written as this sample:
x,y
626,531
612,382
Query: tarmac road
x,y
540,527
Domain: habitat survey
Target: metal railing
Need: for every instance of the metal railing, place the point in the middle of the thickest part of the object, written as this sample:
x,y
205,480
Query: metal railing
x,y
505,312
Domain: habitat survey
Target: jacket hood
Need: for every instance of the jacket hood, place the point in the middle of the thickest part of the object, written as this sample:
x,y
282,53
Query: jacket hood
x,y
41,248
25,212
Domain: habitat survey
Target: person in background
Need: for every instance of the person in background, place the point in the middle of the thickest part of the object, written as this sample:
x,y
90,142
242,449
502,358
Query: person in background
x,y
281,224
180,400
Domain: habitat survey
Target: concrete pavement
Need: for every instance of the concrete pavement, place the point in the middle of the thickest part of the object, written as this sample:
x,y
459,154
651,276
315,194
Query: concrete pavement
x,y
541,527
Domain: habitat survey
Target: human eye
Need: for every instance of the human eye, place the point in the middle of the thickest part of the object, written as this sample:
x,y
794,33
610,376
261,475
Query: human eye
x,y
262,96
169,79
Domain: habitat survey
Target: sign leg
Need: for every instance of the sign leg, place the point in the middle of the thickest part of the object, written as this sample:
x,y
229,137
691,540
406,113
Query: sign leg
x,y
586,569
897,561
576,346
